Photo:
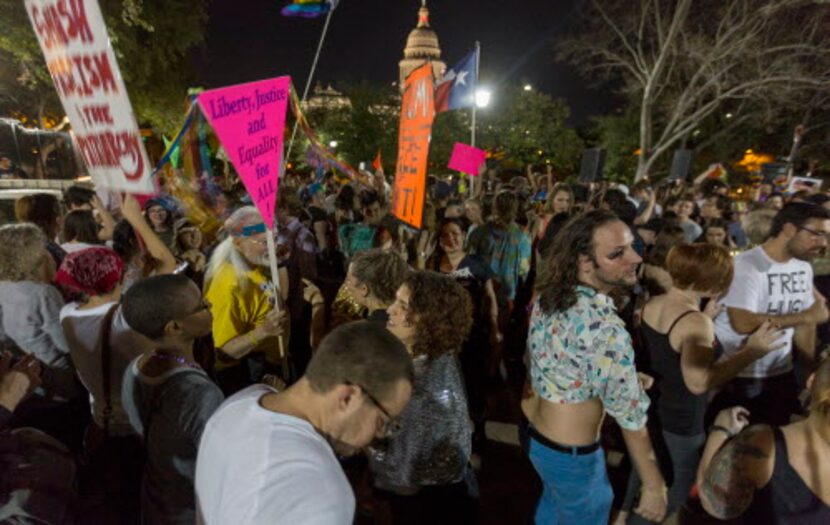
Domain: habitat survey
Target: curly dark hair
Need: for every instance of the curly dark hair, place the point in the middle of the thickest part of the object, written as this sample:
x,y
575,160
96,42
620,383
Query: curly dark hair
x,y
442,312
559,272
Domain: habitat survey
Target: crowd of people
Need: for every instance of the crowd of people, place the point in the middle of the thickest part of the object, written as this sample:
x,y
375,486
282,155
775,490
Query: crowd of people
x,y
155,373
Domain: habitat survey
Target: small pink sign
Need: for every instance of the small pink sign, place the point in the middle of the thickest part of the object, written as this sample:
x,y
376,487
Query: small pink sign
x,y
466,159
249,120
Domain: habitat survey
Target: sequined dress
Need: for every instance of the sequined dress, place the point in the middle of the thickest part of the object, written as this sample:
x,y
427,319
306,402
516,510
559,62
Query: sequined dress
x,y
435,441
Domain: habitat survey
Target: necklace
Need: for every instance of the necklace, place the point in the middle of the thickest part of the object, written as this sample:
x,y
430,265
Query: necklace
x,y
179,359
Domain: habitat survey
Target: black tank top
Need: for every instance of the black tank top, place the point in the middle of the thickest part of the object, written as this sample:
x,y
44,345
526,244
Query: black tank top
x,y
786,499
678,410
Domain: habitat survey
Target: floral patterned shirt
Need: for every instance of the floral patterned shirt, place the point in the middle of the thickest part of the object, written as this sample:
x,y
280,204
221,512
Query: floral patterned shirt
x,y
585,352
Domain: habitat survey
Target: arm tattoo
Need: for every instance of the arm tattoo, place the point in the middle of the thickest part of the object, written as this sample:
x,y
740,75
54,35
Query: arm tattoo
x,y
727,485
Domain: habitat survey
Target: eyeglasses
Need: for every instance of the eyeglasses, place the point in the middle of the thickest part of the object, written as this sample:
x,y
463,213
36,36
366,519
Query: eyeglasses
x,y
391,425
823,235
262,242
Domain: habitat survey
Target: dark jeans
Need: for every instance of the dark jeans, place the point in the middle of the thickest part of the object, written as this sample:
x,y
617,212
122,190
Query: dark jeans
x,y
299,347
770,400
110,480
678,462
473,361
65,421
435,505
249,371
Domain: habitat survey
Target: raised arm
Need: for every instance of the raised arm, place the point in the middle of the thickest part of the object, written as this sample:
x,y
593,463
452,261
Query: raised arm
x,y
649,211
155,246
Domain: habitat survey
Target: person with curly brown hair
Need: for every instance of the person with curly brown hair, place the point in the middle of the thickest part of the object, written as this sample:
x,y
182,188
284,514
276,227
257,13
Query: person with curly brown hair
x,y
422,470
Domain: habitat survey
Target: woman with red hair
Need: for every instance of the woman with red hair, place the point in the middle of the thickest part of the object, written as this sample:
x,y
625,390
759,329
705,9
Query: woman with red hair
x,y
679,341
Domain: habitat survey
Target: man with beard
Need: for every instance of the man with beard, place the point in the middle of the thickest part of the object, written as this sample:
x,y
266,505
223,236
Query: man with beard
x,y
775,281
271,457
238,285
581,366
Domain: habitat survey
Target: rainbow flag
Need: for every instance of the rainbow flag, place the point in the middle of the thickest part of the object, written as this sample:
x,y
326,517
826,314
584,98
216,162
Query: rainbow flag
x,y
308,8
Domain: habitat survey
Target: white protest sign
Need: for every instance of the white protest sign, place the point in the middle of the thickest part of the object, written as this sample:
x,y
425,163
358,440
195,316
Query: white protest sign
x,y
82,64
804,183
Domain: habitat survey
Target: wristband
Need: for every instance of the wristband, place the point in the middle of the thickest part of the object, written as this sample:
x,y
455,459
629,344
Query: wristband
x,y
725,430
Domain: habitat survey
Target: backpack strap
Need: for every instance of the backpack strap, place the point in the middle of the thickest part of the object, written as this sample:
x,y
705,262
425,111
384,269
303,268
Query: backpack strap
x,y
106,365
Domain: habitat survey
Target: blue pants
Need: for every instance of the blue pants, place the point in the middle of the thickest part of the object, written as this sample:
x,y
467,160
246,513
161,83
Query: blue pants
x,y
575,488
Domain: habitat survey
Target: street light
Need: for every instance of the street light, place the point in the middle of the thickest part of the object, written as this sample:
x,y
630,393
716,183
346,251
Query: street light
x,y
482,97
333,144
528,87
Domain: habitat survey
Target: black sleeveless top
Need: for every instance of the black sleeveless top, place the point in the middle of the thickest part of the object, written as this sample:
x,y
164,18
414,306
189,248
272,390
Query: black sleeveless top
x,y
786,499
677,409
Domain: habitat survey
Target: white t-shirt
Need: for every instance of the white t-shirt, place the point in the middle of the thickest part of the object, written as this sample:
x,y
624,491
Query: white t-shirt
x,y
83,329
762,285
256,466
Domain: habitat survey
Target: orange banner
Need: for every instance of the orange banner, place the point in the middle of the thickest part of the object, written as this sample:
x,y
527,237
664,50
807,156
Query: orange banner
x,y
417,113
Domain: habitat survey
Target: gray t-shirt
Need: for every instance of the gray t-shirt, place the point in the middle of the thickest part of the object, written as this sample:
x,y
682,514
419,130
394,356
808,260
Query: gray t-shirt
x,y
691,231
170,412
30,321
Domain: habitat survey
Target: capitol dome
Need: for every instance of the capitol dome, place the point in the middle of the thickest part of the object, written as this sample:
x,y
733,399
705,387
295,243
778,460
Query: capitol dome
x,y
422,45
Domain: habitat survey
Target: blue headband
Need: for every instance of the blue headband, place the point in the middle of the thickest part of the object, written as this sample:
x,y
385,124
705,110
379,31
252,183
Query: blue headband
x,y
248,231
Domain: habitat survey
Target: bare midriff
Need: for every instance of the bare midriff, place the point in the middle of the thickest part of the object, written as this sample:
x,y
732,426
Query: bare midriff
x,y
575,424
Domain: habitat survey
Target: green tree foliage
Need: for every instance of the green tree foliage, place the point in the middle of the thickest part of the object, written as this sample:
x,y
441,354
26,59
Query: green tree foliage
x,y
528,127
448,128
368,123
618,134
516,129
153,40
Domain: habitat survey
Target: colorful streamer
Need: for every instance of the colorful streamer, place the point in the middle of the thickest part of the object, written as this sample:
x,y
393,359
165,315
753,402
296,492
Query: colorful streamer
x,y
174,146
319,153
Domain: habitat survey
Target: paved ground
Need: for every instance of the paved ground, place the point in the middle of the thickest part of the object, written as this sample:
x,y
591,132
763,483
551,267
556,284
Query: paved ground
x,y
509,486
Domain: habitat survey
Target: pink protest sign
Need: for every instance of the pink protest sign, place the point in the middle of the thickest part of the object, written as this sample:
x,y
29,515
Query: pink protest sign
x,y
466,159
249,120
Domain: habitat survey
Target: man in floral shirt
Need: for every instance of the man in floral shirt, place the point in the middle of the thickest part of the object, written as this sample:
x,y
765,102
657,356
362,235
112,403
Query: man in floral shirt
x,y
582,366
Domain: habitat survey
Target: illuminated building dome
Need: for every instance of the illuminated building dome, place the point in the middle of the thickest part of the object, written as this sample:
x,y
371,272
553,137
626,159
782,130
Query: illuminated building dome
x,y
422,46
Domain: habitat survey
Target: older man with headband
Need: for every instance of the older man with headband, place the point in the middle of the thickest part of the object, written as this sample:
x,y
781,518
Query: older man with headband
x,y
238,284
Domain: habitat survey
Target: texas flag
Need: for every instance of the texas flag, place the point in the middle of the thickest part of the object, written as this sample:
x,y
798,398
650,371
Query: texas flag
x,y
458,87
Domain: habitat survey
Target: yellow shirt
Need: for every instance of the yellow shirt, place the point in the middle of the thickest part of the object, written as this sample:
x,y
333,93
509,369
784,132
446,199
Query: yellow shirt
x,y
238,310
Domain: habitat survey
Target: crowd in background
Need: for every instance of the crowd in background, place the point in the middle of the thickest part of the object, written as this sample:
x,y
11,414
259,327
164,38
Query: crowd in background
x,y
133,343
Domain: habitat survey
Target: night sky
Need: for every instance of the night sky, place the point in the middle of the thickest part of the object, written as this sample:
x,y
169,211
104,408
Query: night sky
x,y
249,40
